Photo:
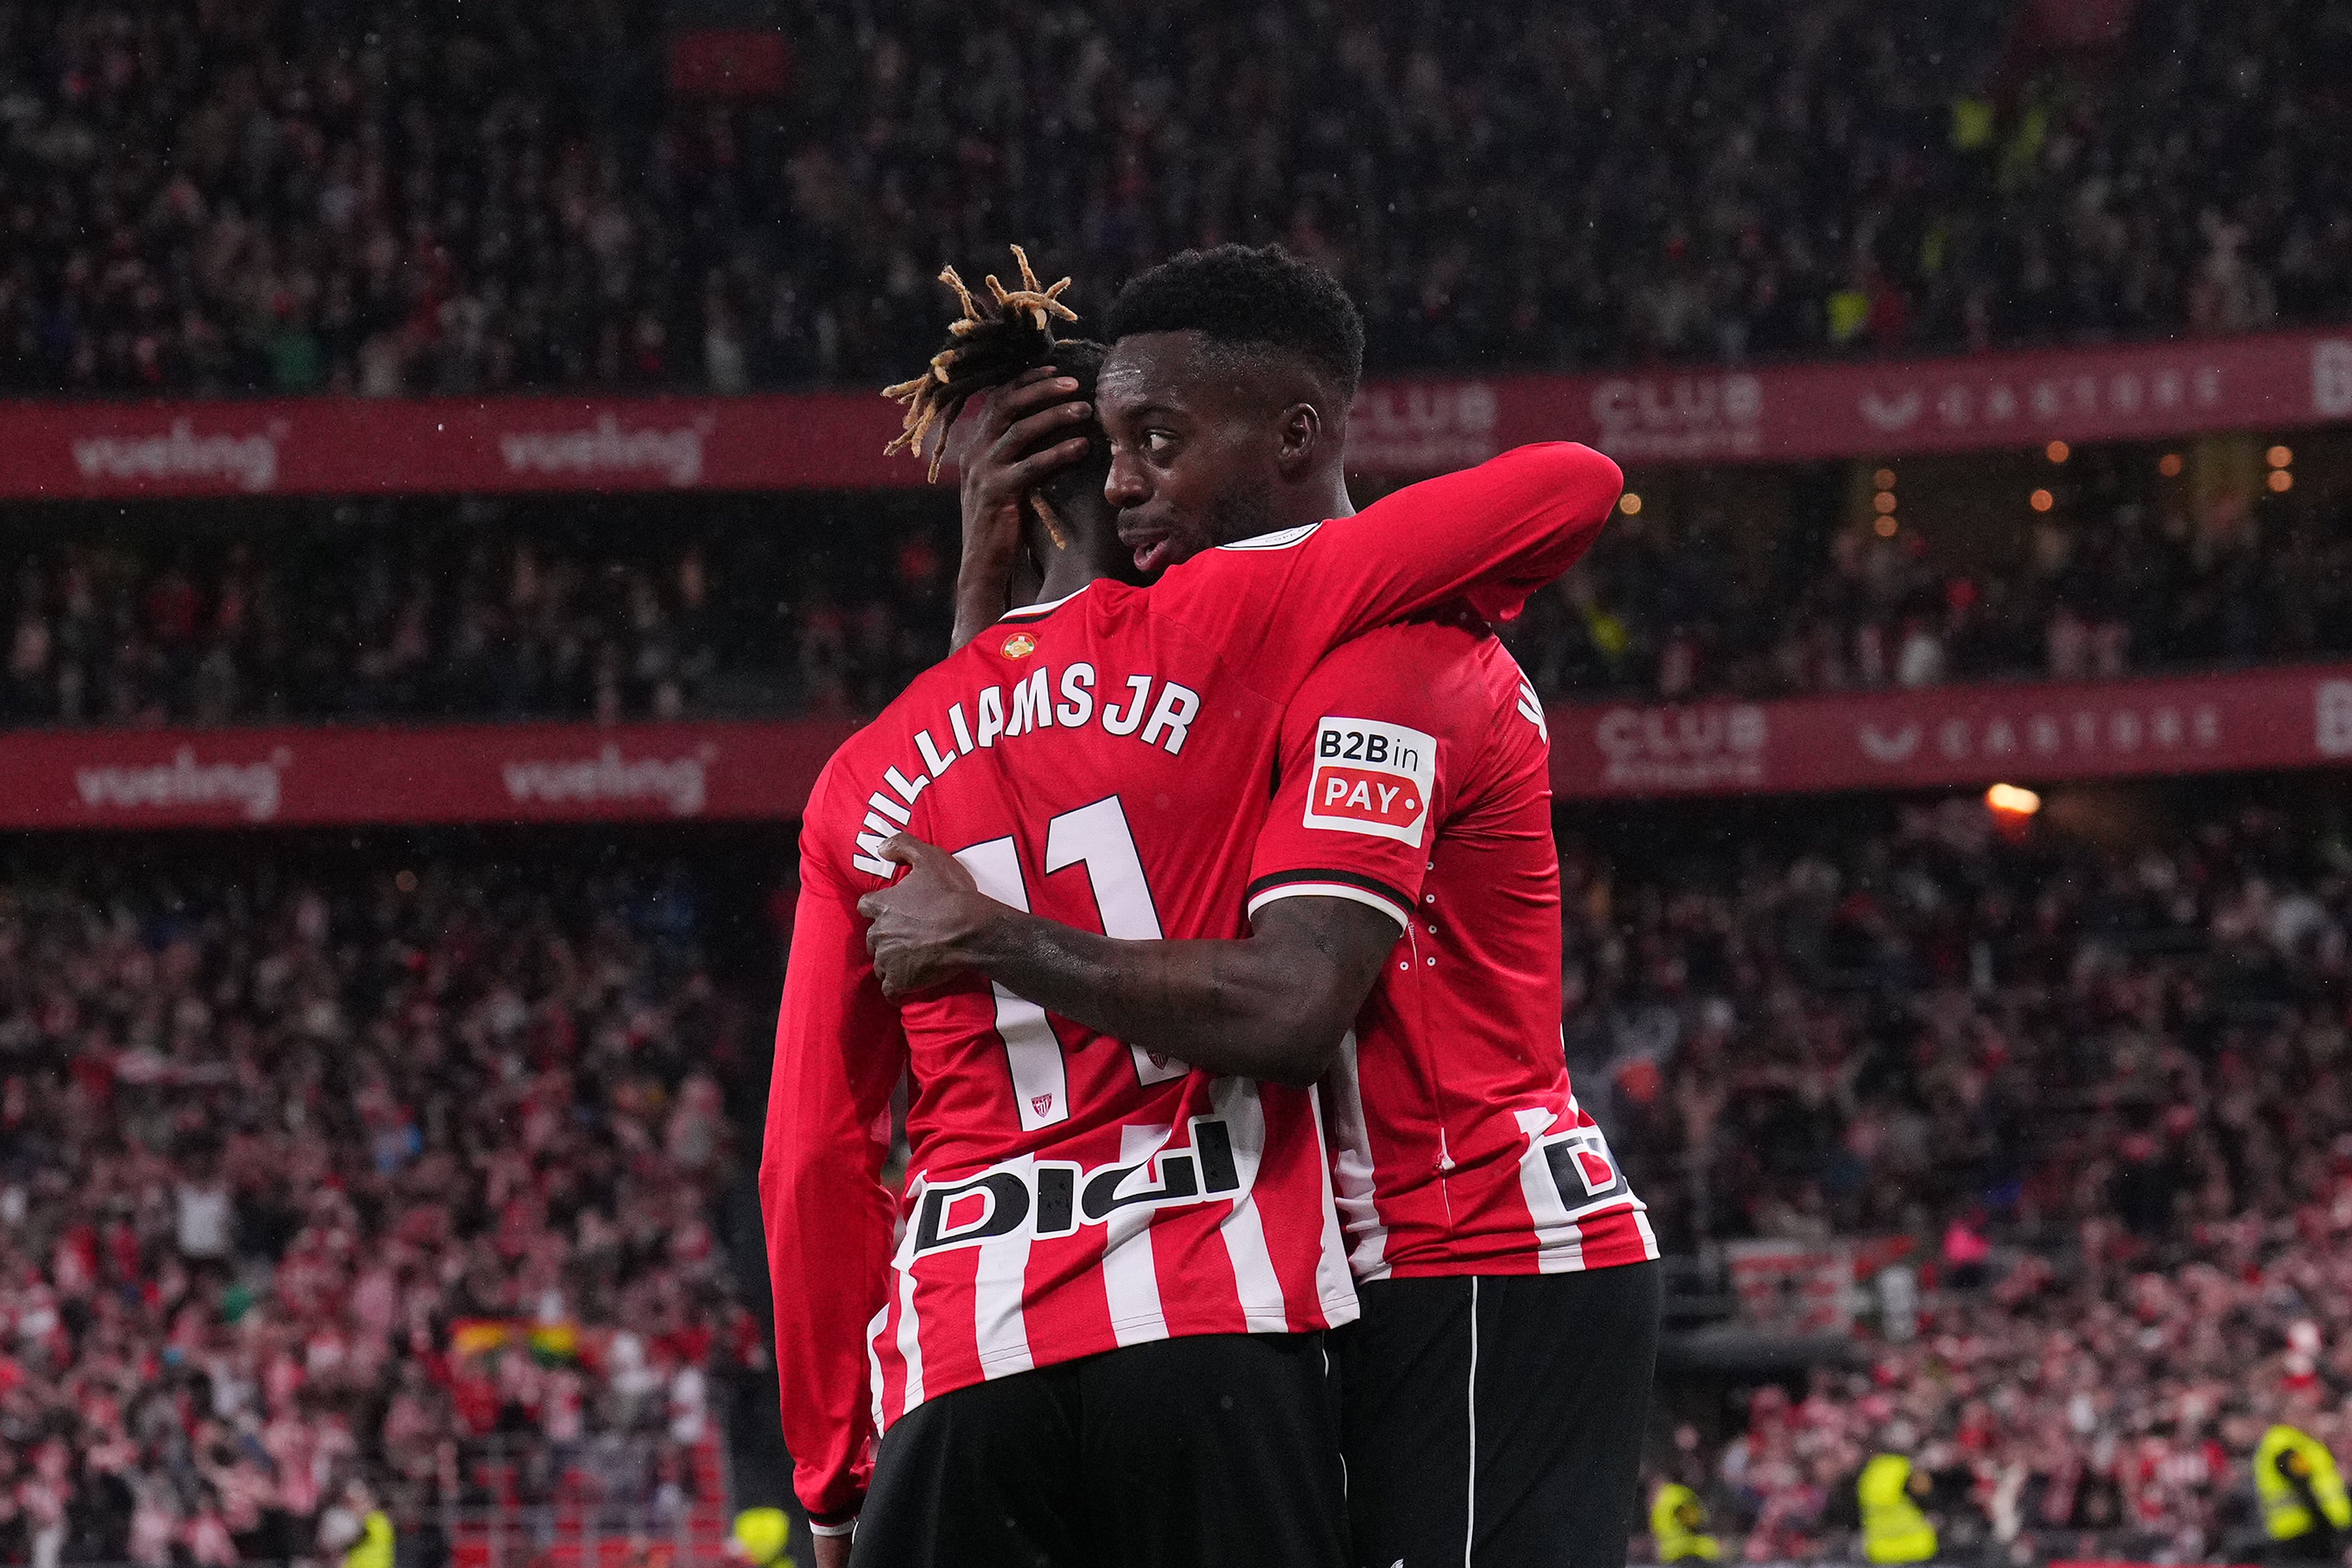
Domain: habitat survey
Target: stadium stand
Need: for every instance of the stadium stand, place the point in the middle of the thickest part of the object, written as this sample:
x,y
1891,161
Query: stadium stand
x,y
479,609
644,609
380,198
315,1174
2098,1090
414,1169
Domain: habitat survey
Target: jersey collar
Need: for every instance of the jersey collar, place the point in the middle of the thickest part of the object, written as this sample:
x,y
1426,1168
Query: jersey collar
x,y
1033,612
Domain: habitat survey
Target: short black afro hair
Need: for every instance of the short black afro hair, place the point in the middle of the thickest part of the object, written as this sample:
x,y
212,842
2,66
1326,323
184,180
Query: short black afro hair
x,y
1256,296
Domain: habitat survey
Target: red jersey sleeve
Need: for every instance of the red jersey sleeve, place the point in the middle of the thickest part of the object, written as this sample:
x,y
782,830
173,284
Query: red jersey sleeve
x,y
1494,533
840,1047
1369,766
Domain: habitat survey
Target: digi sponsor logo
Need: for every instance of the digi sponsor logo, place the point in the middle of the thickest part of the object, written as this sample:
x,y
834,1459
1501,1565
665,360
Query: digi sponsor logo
x,y
1371,778
1044,1199
1583,1169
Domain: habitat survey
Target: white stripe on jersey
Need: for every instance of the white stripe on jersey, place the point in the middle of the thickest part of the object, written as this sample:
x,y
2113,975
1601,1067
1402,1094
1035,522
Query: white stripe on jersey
x,y
1097,836
1351,1166
874,1362
910,1328
1264,1310
1130,1279
1332,1280
1041,1090
1559,1244
996,1286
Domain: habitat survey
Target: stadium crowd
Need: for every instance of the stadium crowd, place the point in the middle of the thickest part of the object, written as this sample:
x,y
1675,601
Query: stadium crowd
x,y
1935,1025
471,610
446,611
2101,1094
309,1180
2128,581
365,197
2110,1416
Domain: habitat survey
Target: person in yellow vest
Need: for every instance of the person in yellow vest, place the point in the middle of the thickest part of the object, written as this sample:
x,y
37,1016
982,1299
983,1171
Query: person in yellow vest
x,y
1678,1526
373,1547
1893,1528
761,1536
2305,1507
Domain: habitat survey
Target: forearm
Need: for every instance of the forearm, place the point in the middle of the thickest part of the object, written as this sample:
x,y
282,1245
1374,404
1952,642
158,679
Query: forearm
x,y
1238,1007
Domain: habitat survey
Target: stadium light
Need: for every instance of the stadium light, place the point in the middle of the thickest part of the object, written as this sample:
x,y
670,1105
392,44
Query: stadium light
x,y
1886,527
2281,457
2057,451
1884,478
2008,800
1628,503
2281,481
2041,501
2168,465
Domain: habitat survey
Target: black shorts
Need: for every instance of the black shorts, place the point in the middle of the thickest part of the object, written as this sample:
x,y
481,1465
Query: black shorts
x,y
1497,1420
1217,1449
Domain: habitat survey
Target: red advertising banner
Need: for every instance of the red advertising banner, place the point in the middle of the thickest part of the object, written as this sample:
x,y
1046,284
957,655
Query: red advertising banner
x,y
437,773
1869,409
1956,735
341,446
1944,736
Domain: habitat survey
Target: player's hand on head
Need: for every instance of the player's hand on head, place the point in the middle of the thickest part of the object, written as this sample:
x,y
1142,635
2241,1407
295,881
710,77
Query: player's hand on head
x,y
1030,429
922,923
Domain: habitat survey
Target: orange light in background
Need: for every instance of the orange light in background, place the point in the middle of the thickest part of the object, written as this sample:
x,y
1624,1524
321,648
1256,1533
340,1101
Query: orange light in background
x,y
2168,465
2041,501
2009,800
1886,527
2281,481
2280,456
1884,478
2057,451
1885,501
1628,503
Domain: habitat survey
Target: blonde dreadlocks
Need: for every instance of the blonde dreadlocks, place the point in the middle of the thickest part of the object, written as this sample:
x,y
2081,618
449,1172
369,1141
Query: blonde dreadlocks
x,y
992,342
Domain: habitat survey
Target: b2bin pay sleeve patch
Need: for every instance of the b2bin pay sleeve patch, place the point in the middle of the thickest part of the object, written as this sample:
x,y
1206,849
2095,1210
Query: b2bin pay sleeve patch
x,y
1371,778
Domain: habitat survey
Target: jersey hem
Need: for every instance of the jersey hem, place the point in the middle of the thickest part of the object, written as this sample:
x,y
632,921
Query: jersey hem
x,y
1338,1312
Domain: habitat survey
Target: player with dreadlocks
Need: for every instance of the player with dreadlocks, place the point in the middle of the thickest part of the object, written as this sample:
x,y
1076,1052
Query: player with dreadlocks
x,y
1403,949
1090,1328
1037,393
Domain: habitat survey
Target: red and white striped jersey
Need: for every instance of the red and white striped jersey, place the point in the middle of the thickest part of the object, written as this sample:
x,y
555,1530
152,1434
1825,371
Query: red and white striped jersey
x,y
1102,761
1416,777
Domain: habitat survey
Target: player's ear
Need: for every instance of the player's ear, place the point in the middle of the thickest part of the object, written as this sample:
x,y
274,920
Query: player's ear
x,y
1299,439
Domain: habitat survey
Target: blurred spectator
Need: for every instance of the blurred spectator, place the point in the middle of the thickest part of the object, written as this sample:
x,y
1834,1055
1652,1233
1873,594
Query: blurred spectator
x,y
623,609
232,1312
373,199
1939,1032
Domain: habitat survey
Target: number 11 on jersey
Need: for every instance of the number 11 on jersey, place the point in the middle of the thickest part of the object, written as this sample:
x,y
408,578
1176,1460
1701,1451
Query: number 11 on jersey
x,y
1096,836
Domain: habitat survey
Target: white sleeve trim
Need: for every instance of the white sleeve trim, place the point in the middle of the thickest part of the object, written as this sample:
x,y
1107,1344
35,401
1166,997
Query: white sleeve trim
x,y
834,1531
1387,907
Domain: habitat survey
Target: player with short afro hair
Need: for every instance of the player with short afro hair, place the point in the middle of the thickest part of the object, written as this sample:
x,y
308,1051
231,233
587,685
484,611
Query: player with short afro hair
x,y
1247,296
